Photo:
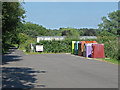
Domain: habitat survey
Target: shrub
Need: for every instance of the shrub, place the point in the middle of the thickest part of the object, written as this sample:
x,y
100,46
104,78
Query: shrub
x,y
27,48
110,45
56,46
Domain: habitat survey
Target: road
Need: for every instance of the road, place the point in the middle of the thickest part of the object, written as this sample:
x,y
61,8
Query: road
x,y
56,71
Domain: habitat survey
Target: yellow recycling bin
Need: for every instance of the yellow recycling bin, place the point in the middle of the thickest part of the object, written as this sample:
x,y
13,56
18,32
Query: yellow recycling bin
x,y
73,46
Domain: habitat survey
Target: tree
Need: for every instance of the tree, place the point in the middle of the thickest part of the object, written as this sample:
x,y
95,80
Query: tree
x,y
33,30
111,24
105,33
81,32
69,31
66,33
90,32
12,15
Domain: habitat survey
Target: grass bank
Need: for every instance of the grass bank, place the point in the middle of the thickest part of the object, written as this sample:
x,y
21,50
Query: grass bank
x,y
109,60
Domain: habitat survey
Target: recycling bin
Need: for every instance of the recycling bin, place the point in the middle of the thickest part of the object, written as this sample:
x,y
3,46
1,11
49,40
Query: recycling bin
x,y
82,44
87,50
94,42
80,48
90,41
98,51
76,47
73,47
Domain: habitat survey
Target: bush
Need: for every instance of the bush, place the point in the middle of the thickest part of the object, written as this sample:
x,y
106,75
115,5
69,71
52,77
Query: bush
x,y
119,48
106,33
110,46
56,46
27,48
65,46
23,38
26,45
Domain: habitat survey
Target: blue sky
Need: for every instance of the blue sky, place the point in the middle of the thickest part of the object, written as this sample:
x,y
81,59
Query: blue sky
x,y
54,15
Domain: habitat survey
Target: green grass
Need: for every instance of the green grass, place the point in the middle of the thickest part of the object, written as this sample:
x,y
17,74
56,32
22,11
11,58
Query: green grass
x,y
15,45
109,60
32,53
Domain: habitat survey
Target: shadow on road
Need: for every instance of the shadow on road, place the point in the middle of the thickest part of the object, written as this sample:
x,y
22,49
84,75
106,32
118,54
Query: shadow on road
x,y
17,77
11,49
12,58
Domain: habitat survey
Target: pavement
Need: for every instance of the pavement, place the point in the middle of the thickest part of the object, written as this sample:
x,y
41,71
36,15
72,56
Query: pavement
x,y
56,71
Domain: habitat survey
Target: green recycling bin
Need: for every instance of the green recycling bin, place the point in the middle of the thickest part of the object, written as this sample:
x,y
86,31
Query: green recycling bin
x,y
76,47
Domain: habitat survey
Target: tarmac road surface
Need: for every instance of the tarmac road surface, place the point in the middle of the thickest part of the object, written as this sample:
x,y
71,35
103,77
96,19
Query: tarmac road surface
x,y
56,71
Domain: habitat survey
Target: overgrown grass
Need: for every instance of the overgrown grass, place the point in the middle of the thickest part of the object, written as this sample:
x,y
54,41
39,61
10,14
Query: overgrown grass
x,y
109,60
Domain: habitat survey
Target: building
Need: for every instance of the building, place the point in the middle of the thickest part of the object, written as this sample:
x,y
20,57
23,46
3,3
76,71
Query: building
x,y
48,38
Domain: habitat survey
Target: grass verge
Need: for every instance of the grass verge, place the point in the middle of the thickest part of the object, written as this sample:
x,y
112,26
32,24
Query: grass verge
x,y
109,60
32,53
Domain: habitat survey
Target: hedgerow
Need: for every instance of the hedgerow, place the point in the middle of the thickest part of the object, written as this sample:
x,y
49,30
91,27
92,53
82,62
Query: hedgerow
x,y
65,46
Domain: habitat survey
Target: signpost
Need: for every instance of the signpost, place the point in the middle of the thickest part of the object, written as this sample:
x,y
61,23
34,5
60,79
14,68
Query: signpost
x,y
39,48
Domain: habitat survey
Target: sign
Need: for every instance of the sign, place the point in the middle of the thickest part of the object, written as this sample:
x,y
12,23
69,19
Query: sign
x,y
39,47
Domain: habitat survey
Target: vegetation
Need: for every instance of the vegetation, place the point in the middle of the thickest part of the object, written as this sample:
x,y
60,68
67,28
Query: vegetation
x,y
111,24
12,16
110,45
20,33
33,30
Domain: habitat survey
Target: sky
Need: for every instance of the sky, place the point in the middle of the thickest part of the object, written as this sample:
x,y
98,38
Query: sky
x,y
69,0
54,15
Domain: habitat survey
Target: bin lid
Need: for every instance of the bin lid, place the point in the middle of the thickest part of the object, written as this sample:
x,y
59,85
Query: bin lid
x,y
77,42
90,41
98,44
73,41
89,44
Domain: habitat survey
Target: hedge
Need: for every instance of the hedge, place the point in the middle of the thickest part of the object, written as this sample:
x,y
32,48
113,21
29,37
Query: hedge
x,y
64,46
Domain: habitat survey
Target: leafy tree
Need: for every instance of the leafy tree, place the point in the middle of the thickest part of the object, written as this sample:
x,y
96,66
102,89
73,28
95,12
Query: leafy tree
x,y
81,32
75,32
23,38
66,33
12,15
90,32
110,24
105,33
69,31
33,30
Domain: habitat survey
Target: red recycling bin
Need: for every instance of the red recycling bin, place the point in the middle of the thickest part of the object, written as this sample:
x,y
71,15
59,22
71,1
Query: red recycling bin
x,y
98,51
